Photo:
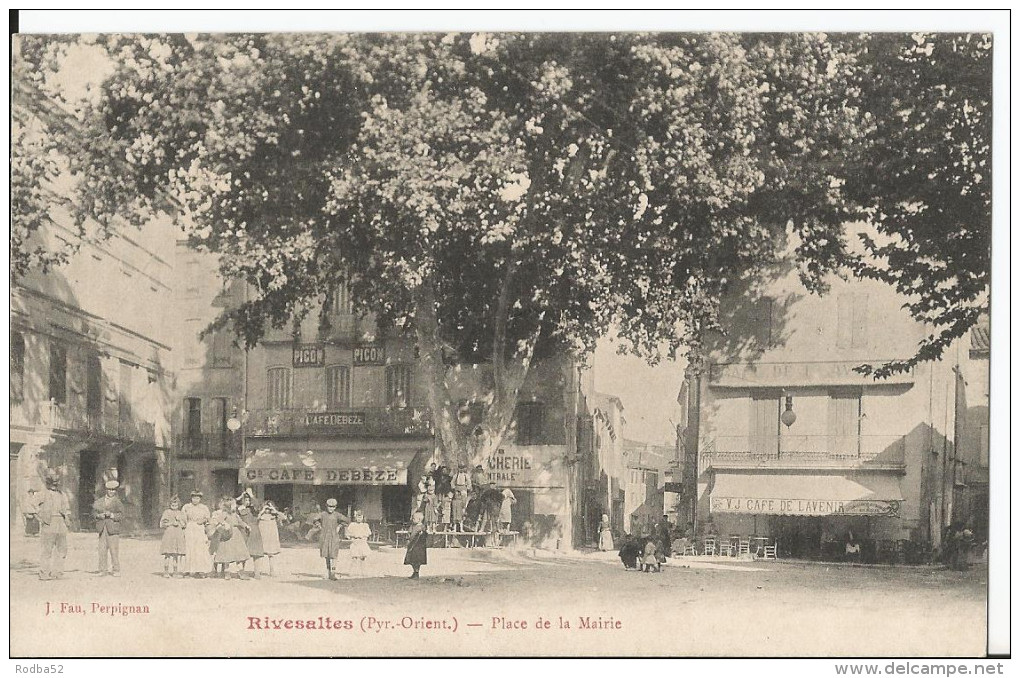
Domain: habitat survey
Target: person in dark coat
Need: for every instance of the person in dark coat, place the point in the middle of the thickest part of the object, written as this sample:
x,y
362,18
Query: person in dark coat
x,y
108,512
330,523
630,549
417,547
665,540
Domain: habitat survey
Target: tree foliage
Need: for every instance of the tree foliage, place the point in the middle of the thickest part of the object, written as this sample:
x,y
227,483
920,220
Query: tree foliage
x,y
512,195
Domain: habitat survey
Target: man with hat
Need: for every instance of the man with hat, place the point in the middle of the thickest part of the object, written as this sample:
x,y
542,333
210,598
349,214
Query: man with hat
x,y
108,512
54,510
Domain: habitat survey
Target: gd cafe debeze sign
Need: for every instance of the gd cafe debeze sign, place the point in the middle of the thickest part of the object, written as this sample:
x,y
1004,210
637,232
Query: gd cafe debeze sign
x,y
326,476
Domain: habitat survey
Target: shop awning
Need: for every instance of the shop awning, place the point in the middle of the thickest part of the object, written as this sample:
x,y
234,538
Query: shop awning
x,y
806,495
267,465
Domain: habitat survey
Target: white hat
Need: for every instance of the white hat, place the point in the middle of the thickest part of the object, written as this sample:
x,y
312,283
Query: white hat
x,y
112,484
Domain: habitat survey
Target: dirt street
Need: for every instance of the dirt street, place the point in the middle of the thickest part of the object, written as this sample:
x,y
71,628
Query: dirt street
x,y
493,603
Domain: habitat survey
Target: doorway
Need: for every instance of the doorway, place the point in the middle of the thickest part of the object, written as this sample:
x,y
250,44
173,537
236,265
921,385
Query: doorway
x,y
225,483
88,479
150,491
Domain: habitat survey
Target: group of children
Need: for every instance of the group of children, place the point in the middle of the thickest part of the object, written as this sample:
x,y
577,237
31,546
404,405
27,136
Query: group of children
x,y
642,553
197,540
332,526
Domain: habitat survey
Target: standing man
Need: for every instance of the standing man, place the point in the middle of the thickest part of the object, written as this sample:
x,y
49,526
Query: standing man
x,y
664,537
108,512
54,510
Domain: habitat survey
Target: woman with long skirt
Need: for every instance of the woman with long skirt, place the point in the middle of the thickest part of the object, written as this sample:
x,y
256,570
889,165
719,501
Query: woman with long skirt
x,y
197,556
417,548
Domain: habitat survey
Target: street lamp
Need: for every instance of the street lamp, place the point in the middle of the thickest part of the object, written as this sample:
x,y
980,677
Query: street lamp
x,y
788,417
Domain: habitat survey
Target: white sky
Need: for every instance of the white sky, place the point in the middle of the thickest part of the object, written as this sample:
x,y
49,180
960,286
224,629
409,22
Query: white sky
x,y
648,393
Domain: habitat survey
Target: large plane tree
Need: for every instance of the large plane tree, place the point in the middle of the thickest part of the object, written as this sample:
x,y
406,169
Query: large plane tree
x,y
505,196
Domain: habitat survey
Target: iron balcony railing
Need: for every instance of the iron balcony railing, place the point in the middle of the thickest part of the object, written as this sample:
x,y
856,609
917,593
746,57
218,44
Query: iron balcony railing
x,y
353,422
807,451
219,445
63,417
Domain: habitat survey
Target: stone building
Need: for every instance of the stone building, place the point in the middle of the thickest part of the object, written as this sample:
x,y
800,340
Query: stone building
x,y
795,445
90,373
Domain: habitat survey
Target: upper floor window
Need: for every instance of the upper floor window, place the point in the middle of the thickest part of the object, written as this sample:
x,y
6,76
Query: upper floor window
x,y
222,348
278,387
342,299
398,386
338,387
530,418
124,392
93,385
852,320
763,319
844,421
763,424
193,419
58,372
17,367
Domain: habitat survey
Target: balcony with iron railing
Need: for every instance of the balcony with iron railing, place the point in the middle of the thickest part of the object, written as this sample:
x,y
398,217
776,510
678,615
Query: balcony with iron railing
x,y
880,452
218,445
352,422
50,414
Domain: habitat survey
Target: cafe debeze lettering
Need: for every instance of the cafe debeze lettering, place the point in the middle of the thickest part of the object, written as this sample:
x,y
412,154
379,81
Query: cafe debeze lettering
x,y
326,476
334,419
805,507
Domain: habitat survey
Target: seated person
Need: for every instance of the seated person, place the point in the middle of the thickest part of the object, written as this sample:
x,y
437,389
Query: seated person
x,y
852,550
630,549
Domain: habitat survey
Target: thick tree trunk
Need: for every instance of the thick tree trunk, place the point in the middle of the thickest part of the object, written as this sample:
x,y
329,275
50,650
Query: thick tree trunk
x,y
456,447
460,447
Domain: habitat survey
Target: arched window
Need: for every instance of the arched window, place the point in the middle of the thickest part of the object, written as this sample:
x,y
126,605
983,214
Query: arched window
x,y
278,388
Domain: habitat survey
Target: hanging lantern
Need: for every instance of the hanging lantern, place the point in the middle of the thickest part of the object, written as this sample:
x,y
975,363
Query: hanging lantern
x,y
788,417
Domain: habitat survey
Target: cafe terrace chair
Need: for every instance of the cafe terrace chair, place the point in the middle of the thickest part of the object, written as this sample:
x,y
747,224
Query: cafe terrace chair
x,y
770,551
725,547
709,546
744,546
689,549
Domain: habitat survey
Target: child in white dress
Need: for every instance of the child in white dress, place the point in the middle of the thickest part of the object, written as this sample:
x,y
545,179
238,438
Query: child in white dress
x,y
359,532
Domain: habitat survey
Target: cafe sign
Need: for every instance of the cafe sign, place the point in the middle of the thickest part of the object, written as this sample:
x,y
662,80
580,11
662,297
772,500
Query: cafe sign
x,y
334,420
806,507
309,355
369,354
285,474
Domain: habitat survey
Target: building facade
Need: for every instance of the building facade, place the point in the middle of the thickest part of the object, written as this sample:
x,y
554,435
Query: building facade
x,y
337,409
90,374
209,379
795,445
646,467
